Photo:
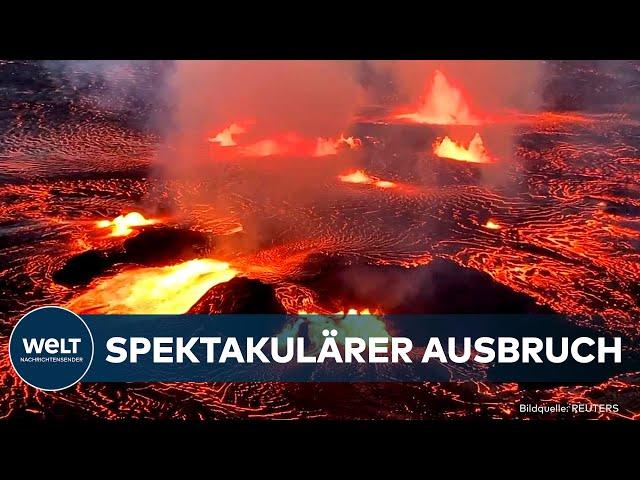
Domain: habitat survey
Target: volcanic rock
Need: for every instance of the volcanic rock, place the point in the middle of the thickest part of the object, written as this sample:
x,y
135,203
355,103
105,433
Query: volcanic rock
x,y
160,246
151,247
239,295
80,269
440,287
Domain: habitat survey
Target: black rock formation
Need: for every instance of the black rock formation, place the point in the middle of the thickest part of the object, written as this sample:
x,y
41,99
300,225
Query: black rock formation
x,y
151,247
239,295
440,287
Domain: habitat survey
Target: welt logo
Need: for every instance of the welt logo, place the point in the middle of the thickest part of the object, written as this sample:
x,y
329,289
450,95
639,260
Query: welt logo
x,y
51,346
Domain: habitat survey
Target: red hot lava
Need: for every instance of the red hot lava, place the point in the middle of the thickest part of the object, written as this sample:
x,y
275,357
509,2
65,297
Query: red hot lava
x,y
359,176
225,137
474,153
122,225
442,104
284,144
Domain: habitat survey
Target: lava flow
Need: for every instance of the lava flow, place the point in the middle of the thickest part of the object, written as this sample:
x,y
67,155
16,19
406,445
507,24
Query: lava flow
x,y
167,290
121,226
329,146
294,145
359,176
474,153
289,143
225,137
442,104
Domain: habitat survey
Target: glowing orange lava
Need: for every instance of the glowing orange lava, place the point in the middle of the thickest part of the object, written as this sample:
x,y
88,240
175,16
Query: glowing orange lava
x,y
359,176
265,148
492,225
162,290
356,177
329,146
289,143
225,137
442,104
475,153
121,225
351,311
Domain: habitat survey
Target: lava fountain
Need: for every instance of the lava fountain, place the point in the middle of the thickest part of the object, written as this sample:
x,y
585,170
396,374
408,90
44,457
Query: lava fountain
x,y
474,153
121,226
225,137
329,146
441,104
161,290
288,143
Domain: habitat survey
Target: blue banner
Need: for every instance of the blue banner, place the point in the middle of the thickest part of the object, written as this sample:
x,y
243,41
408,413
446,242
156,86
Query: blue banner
x,y
289,348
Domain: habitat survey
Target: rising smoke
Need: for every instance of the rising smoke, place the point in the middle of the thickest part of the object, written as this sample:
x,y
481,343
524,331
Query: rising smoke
x,y
276,106
287,110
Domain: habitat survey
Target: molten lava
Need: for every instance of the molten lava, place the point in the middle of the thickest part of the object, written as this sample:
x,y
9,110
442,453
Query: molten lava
x,y
442,104
265,148
356,177
329,146
359,176
162,290
351,311
475,153
225,137
491,225
289,143
121,226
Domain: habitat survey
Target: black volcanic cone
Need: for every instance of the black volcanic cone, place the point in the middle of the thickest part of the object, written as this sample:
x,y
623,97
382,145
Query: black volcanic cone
x,y
151,247
159,246
80,269
444,287
440,287
239,295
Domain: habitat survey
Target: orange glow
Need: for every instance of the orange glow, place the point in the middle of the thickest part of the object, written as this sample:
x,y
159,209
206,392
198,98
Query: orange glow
x,y
352,142
291,144
288,143
359,176
264,148
442,104
492,225
121,225
475,153
168,290
353,323
356,177
225,137
351,311
355,311
329,146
